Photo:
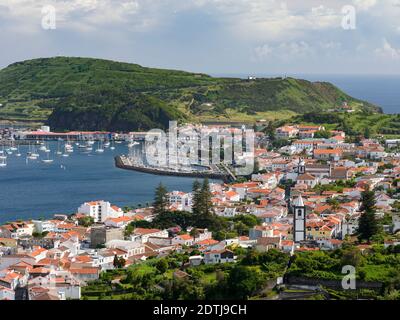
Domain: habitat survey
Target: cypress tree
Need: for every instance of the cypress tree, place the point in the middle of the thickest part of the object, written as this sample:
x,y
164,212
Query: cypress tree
x,y
367,225
206,196
196,201
160,199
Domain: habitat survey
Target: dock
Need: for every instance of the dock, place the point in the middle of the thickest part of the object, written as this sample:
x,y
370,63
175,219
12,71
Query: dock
x,y
123,162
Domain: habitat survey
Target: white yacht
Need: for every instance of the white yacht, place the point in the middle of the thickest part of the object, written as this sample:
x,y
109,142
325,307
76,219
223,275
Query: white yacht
x,y
18,154
48,160
2,154
100,148
132,144
13,147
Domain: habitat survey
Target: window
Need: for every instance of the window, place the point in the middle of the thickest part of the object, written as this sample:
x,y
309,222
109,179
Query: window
x,y
299,212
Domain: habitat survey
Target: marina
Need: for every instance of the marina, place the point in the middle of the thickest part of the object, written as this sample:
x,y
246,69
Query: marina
x,y
59,186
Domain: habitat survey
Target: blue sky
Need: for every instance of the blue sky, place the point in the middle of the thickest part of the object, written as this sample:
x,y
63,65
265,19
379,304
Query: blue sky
x,y
212,36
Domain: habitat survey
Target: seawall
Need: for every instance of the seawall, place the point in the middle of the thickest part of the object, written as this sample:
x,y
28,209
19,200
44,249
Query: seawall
x,y
119,163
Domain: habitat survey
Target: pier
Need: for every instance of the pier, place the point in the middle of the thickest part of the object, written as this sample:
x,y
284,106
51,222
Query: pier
x,y
124,162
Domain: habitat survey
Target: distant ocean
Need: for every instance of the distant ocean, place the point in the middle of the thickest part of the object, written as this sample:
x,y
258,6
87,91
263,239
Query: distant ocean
x,y
382,90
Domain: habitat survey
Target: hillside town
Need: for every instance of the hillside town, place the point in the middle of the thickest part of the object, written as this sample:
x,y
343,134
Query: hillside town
x,y
305,195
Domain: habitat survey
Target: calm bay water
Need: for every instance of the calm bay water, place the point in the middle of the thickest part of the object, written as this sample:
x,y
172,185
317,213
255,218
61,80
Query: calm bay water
x,y
34,189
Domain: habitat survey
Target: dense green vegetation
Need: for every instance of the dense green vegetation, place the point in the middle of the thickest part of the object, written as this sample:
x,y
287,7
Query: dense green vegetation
x,y
155,279
357,123
375,265
106,95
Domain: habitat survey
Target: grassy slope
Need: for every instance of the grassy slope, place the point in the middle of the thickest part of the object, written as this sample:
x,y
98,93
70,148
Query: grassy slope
x,y
33,89
378,124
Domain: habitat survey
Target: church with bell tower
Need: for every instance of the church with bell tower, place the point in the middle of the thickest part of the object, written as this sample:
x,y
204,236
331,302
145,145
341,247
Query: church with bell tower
x,y
299,220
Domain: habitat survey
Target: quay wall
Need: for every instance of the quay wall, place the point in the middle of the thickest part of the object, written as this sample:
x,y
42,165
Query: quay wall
x,y
120,164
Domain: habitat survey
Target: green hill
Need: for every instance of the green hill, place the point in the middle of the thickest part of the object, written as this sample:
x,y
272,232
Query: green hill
x,y
85,93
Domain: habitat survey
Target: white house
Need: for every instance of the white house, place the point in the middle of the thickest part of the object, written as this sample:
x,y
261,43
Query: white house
x,y
100,210
183,239
195,260
6,293
219,256
142,235
132,248
181,200
120,222
307,179
43,226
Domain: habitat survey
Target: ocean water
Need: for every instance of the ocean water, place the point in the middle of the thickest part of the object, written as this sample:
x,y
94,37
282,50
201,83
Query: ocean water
x,y
33,189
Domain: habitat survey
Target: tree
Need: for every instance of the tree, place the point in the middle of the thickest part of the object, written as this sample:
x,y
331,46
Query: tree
x,y
162,266
351,256
119,263
206,197
86,221
160,199
244,281
196,201
170,219
322,134
194,233
367,225
367,133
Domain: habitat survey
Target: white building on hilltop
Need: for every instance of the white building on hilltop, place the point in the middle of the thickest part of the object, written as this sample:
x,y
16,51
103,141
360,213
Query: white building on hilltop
x,y
100,210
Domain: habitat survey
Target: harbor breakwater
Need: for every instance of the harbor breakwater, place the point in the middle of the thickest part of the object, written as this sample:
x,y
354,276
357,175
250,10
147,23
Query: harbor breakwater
x,y
122,163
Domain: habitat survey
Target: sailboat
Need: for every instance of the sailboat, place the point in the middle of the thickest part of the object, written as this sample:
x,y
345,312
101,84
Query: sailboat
x,y
18,154
3,163
100,148
68,148
13,147
2,154
42,147
48,160
58,152
35,154
112,146
47,149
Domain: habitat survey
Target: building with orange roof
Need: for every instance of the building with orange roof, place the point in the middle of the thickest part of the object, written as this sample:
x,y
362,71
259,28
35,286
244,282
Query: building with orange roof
x,y
328,154
100,210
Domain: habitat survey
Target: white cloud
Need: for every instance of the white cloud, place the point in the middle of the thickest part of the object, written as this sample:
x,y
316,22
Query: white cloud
x,y
277,29
284,51
365,4
388,51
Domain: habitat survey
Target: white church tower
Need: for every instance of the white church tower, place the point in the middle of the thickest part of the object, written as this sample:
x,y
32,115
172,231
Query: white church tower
x,y
299,220
301,168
